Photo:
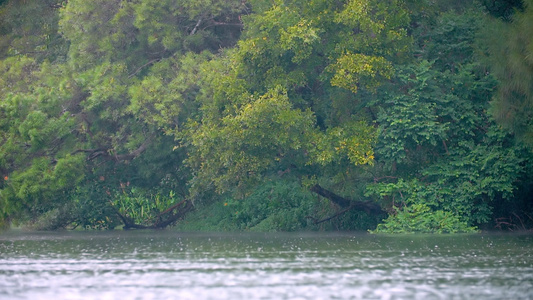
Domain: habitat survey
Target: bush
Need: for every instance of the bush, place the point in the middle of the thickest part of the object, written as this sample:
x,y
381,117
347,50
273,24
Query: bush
x,y
420,218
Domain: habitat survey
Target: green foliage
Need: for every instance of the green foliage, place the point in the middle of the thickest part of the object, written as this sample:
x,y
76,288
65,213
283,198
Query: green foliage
x,y
467,184
273,104
41,186
90,206
107,106
353,70
432,112
63,122
419,218
55,219
444,155
30,29
353,140
503,9
450,41
138,33
166,97
264,132
511,61
143,207
273,206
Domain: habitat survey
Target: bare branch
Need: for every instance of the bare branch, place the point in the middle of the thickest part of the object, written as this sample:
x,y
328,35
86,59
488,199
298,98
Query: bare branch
x,y
196,26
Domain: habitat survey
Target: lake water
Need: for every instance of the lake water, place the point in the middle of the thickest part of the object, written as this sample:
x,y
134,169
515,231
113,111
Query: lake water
x,y
173,265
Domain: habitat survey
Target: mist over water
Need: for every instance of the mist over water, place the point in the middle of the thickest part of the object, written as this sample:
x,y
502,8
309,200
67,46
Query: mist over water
x,y
173,265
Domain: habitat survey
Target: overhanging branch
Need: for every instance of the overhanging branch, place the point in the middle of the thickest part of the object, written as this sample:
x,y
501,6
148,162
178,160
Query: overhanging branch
x,y
340,201
367,206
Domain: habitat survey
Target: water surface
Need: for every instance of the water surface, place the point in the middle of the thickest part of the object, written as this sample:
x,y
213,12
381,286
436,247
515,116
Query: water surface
x,y
173,265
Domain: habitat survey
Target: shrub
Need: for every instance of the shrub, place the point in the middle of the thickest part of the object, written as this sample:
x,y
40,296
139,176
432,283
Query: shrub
x,y
420,218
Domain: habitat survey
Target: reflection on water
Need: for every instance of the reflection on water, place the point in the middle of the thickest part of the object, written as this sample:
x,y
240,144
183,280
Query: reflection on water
x,y
171,265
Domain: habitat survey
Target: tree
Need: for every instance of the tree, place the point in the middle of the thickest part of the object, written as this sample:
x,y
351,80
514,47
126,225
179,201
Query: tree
x,y
286,100
441,155
78,123
511,62
136,112
30,29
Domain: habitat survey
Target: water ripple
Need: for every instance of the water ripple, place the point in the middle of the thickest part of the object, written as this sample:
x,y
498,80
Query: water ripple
x,y
313,266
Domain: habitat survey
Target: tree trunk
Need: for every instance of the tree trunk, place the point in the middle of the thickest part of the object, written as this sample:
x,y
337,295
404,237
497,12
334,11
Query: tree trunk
x,y
367,206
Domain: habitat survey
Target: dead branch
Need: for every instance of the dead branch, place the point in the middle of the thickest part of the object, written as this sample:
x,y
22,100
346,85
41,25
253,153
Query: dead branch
x,y
193,31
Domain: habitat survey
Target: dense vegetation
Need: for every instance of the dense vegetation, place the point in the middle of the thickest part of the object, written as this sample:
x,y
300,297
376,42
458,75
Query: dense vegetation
x,y
394,116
